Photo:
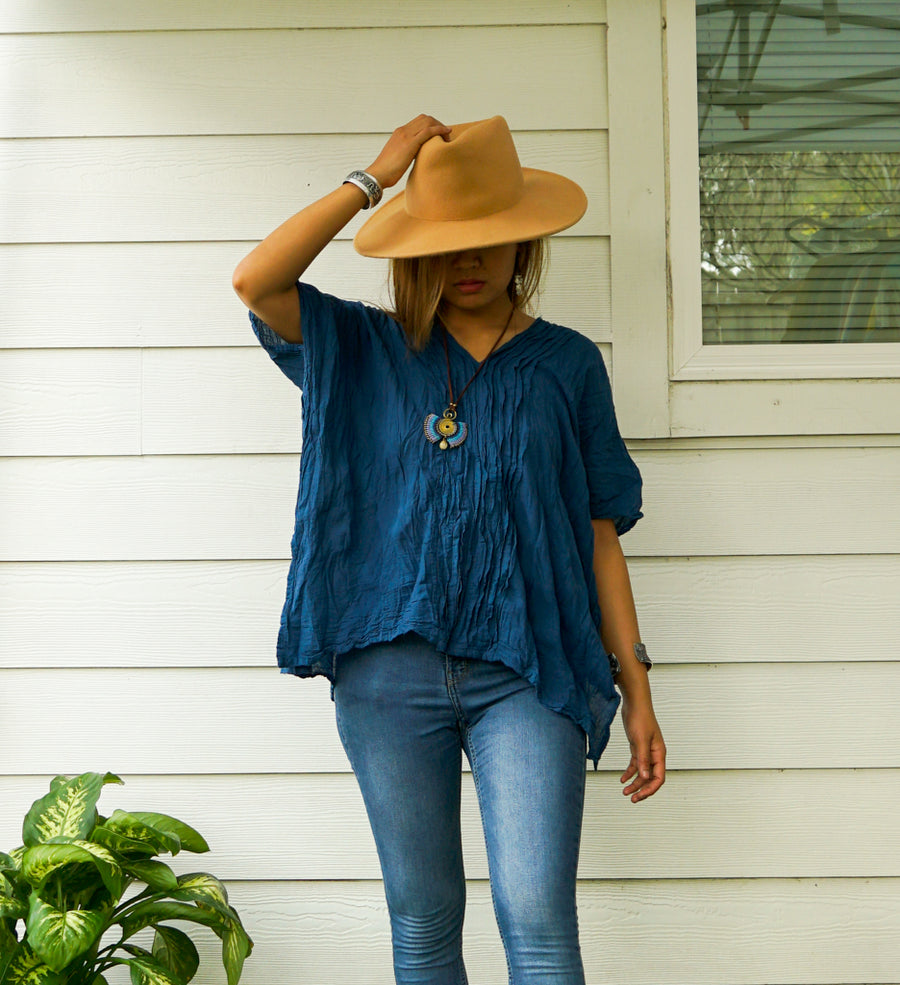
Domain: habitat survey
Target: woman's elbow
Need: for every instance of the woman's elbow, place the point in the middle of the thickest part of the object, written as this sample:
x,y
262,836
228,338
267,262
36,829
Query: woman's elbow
x,y
242,284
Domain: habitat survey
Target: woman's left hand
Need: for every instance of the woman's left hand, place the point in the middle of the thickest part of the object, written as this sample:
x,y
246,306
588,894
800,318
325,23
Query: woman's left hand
x,y
647,769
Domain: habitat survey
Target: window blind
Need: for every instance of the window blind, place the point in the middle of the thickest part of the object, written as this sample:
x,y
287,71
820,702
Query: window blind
x,y
799,134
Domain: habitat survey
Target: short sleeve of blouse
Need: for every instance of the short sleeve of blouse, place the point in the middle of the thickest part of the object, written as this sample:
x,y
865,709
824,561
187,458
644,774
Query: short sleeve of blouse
x,y
332,329
289,357
614,482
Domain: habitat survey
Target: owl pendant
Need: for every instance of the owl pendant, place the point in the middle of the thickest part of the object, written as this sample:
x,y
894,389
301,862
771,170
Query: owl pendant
x,y
445,431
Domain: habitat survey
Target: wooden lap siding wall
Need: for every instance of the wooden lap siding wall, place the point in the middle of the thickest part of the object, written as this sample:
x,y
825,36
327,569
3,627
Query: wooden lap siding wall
x,y
150,455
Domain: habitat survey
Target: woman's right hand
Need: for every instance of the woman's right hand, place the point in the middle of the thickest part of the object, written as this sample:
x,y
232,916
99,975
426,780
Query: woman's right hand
x,y
401,149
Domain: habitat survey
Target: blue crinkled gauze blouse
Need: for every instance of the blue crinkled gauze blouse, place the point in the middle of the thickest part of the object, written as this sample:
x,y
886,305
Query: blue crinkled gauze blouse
x,y
485,549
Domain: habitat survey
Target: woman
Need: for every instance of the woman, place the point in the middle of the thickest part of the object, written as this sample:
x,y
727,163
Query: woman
x,y
462,487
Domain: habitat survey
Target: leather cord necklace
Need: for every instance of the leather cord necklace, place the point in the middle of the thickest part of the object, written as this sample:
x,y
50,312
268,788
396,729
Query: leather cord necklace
x,y
445,431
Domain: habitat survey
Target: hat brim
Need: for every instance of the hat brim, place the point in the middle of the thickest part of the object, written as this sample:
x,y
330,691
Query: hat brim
x,y
550,204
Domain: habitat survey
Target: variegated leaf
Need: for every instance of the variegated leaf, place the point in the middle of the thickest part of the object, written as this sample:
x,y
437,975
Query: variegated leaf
x,y
118,843
210,894
201,887
60,936
226,917
41,861
160,839
9,943
176,951
191,840
99,852
107,865
156,874
8,888
68,810
153,912
26,968
12,908
220,918
236,945
7,863
146,971
135,951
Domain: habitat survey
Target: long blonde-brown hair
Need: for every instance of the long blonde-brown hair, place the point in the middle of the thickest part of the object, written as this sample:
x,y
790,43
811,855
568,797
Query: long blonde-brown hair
x,y
417,283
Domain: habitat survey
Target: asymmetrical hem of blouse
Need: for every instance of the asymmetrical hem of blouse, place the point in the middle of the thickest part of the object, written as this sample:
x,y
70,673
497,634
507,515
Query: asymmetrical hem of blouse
x,y
484,549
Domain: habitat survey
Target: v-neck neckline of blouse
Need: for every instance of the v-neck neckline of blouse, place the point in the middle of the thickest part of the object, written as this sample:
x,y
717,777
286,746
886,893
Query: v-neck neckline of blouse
x,y
493,355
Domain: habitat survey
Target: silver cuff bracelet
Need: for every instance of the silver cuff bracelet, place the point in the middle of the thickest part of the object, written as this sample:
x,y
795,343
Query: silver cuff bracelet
x,y
640,651
368,184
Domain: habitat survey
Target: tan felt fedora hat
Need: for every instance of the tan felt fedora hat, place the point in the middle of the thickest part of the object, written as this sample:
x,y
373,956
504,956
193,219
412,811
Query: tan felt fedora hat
x,y
467,192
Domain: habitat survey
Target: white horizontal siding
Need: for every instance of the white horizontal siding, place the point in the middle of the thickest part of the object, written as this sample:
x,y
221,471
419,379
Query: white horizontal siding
x,y
213,507
784,407
87,402
136,189
189,82
217,614
147,499
151,401
742,932
709,824
774,930
225,613
115,295
36,16
253,720
235,404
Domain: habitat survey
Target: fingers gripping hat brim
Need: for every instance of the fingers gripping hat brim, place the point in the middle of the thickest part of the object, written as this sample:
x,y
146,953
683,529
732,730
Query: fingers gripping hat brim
x,y
550,203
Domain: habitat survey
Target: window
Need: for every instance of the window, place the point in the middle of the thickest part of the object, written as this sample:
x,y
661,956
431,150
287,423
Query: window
x,y
738,367
783,142
799,171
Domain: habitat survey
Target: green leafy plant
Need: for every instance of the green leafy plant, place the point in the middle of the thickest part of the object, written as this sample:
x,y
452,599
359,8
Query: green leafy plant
x,y
67,887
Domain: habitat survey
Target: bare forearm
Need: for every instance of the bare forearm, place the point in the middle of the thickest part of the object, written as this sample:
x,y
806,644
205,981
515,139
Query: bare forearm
x,y
619,628
282,257
279,261
646,771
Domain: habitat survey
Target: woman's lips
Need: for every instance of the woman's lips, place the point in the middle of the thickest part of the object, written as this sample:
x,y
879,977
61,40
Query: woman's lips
x,y
469,286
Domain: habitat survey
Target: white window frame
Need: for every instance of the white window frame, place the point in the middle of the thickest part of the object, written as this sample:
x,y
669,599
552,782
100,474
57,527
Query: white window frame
x,y
692,360
637,218
668,383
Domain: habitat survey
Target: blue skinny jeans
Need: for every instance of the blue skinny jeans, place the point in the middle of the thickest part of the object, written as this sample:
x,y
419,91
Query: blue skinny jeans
x,y
405,713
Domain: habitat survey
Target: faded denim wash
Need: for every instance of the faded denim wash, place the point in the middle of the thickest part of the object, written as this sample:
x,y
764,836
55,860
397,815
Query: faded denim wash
x,y
406,712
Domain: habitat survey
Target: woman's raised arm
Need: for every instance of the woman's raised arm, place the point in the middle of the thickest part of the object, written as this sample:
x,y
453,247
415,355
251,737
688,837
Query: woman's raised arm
x,y
264,280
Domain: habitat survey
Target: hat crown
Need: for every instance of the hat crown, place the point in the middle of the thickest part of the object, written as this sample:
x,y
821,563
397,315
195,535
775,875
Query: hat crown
x,y
469,192
474,174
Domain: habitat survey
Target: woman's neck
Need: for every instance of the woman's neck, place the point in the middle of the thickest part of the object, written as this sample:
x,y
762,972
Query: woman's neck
x,y
478,336
483,321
